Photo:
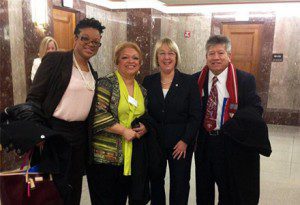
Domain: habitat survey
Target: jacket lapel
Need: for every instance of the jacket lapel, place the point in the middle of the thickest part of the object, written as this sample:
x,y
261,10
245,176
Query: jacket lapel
x,y
158,89
205,89
176,83
66,71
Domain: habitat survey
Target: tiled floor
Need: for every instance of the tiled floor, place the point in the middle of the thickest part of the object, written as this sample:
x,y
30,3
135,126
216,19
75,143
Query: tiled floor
x,y
280,174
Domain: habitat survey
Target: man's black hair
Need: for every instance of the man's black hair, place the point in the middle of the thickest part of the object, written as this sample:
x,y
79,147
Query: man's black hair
x,y
89,23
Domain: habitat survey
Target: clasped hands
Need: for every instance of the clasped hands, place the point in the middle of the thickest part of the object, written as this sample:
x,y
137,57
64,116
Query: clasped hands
x,y
131,133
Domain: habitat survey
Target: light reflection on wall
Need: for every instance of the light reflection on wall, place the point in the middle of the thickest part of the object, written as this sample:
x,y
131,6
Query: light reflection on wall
x,y
39,12
172,22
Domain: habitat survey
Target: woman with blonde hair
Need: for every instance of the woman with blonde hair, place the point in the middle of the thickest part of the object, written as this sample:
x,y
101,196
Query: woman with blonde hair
x,y
48,44
173,102
118,167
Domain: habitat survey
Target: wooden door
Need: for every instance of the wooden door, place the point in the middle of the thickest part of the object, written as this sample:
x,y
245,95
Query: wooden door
x,y
64,25
246,45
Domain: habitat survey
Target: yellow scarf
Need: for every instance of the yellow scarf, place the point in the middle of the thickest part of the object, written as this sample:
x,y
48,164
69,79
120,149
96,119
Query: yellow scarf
x,y
127,112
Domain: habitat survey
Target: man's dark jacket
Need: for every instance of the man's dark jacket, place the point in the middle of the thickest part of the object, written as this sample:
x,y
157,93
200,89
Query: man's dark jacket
x,y
243,140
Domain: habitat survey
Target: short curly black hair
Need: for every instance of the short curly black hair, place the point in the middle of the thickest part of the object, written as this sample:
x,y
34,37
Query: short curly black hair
x,y
89,23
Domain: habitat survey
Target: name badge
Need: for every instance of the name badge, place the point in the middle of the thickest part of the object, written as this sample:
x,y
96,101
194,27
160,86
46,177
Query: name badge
x,y
132,101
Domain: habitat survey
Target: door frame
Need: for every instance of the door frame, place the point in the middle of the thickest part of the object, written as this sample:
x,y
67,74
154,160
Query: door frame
x,y
256,71
267,39
78,15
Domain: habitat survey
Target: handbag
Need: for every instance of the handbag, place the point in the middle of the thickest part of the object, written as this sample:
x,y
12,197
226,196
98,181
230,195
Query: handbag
x,y
21,187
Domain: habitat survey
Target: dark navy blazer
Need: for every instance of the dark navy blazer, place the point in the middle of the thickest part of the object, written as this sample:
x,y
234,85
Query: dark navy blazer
x,y
178,115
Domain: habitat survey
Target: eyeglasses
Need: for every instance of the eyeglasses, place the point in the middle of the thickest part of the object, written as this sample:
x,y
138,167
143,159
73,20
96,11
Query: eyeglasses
x,y
163,54
87,40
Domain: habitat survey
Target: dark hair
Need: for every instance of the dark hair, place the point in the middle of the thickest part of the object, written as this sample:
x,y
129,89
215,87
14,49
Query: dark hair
x,y
89,23
218,39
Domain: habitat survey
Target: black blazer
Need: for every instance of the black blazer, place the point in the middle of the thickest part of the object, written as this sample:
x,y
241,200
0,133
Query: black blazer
x,y
178,115
49,85
51,80
247,95
245,135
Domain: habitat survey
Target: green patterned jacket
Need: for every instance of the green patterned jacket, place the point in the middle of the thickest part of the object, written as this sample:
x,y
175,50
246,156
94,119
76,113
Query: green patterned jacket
x,y
106,146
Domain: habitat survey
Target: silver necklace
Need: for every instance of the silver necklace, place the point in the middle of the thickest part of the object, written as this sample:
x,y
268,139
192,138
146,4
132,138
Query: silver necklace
x,y
90,85
168,82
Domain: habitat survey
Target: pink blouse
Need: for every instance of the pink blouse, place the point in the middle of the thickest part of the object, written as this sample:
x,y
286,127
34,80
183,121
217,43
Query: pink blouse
x,y
76,102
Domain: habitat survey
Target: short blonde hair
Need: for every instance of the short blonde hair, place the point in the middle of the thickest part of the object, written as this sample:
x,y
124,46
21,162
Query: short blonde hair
x,y
44,45
127,44
172,45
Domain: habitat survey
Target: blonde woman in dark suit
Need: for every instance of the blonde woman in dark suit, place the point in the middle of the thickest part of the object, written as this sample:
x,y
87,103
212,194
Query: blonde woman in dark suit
x,y
173,102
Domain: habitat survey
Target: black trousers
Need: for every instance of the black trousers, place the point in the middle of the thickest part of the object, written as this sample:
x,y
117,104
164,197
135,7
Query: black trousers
x,y
212,168
180,171
108,185
71,151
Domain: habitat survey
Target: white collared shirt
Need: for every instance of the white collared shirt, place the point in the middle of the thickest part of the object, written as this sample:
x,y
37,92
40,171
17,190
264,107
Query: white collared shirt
x,y
222,93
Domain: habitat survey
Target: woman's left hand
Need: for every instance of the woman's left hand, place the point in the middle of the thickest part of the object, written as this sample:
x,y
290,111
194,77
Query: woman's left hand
x,y
141,130
179,150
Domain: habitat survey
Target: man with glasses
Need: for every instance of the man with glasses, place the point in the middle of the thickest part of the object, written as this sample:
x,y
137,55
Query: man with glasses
x,y
64,88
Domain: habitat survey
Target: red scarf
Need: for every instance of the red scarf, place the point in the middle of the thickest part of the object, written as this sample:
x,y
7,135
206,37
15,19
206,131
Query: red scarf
x,y
231,105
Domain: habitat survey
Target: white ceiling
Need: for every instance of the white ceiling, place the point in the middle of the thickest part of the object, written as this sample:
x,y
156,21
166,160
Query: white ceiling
x,y
205,2
203,6
202,2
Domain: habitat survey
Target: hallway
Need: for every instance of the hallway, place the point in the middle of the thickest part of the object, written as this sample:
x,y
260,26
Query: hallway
x,y
280,174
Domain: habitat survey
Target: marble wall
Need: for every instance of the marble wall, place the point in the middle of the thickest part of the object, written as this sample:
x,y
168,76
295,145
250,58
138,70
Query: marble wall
x,y
114,33
17,49
19,46
283,105
268,25
145,31
285,76
125,25
277,83
6,84
192,48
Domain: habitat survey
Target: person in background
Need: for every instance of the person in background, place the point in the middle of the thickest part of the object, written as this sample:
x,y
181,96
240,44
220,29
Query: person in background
x,y
64,88
119,165
173,102
232,132
48,44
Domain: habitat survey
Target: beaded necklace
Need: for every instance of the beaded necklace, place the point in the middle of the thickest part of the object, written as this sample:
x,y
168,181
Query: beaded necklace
x,y
90,85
